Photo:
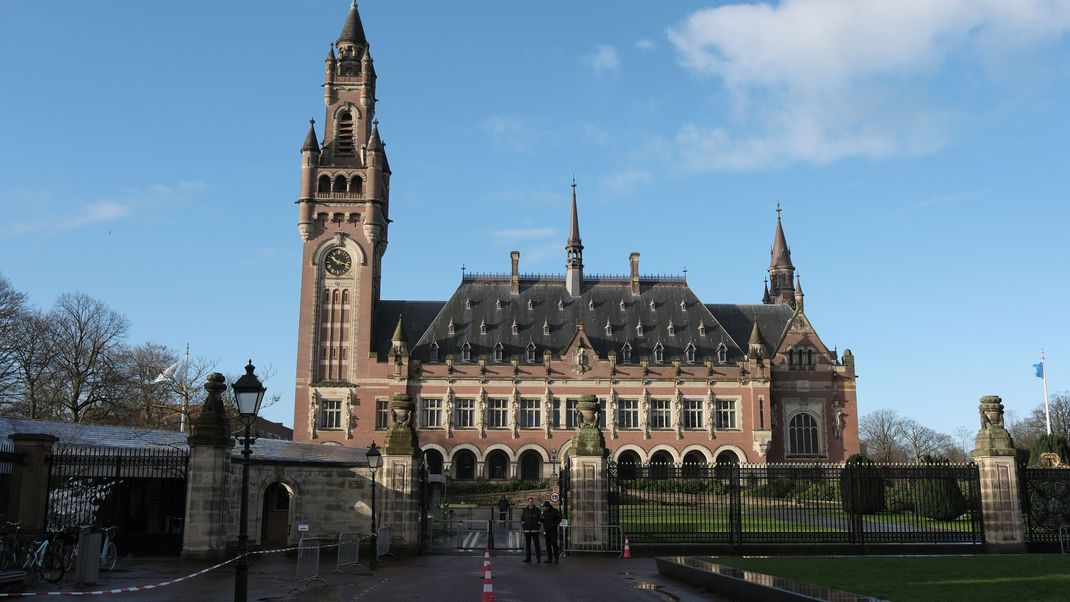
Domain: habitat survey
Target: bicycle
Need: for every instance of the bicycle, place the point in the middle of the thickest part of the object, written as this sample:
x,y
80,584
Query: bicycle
x,y
10,546
108,552
45,558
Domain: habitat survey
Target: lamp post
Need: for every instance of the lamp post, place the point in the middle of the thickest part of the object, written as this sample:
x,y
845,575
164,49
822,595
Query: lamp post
x,y
374,457
249,393
553,463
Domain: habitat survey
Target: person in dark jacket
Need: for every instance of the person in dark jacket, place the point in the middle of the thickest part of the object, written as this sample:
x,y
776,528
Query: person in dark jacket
x,y
530,522
551,518
503,509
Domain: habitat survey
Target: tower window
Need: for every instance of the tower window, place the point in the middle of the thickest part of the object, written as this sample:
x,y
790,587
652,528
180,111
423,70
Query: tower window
x,y
356,185
324,184
340,184
343,142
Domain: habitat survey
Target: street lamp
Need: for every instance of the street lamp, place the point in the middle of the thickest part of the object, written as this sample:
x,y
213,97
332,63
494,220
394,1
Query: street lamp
x,y
553,463
249,393
374,457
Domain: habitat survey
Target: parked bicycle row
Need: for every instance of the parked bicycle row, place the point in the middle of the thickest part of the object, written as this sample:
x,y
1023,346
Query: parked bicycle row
x,y
50,555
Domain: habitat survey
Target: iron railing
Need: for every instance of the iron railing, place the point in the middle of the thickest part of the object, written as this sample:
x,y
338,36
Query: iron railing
x,y
1045,494
665,505
10,481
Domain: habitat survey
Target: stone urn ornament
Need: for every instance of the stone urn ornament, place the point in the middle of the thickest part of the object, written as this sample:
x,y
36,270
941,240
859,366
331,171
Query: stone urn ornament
x,y
588,406
402,406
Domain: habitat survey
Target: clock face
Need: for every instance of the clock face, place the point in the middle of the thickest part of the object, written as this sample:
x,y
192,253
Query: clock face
x,y
338,262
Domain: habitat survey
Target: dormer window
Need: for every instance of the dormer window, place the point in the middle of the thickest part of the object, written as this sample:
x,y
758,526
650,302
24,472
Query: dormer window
x,y
652,306
590,304
452,328
560,304
689,353
432,352
497,303
468,304
626,353
499,350
546,327
609,329
531,305
672,329
483,327
466,352
722,354
701,328
531,353
622,304
659,354
683,304
516,328
639,329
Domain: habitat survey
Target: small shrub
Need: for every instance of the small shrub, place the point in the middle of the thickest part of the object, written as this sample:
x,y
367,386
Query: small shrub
x,y
775,488
899,498
1049,444
939,497
822,492
861,486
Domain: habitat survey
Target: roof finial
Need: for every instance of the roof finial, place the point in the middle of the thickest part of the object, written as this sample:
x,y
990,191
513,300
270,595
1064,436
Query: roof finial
x,y
778,211
462,271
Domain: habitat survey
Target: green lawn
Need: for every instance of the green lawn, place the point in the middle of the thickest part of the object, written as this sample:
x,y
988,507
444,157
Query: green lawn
x,y
941,578
634,519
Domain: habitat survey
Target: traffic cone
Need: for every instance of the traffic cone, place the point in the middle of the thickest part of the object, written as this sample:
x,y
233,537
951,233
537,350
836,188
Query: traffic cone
x,y
627,549
488,585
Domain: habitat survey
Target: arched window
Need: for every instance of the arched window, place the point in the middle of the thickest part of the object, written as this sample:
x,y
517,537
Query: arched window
x,y
343,140
356,185
659,354
694,462
324,183
497,465
722,354
626,353
498,352
464,465
530,466
690,353
345,296
802,435
531,353
466,352
340,184
326,297
336,295
432,352
627,463
433,460
660,464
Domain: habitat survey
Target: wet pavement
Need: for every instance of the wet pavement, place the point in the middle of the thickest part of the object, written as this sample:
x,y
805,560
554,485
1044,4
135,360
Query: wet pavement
x,y
440,578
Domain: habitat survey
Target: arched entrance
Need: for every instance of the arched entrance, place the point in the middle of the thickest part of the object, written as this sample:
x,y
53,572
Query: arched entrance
x,y
464,465
725,461
497,465
660,463
275,524
627,462
694,462
433,458
530,466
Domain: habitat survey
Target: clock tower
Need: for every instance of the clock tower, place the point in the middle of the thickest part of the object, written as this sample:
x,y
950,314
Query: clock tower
x,y
343,210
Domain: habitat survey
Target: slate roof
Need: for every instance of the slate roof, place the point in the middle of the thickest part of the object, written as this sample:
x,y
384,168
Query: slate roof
x,y
738,320
99,435
476,302
418,316
353,30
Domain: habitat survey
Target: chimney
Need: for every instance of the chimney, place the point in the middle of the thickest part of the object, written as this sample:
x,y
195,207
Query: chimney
x,y
514,278
634,260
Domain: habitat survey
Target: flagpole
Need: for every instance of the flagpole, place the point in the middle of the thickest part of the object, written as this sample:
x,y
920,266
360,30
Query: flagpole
x,y
1044,380
185,393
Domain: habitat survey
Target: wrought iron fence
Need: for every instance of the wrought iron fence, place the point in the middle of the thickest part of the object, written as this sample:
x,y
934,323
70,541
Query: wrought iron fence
x,y
10,481
1045,496
141,491
665,505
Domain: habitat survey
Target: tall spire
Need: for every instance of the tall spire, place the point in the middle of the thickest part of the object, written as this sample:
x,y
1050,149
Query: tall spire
x,y
353,30
780,255
781,270
574,249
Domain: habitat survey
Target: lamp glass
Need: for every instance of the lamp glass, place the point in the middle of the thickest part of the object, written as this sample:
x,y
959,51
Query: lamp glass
x,y
374,457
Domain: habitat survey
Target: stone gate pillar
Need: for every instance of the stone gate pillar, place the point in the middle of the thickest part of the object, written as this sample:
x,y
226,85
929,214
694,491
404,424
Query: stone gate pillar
x,y
33,489
1001,506
588,507
205,532
399,477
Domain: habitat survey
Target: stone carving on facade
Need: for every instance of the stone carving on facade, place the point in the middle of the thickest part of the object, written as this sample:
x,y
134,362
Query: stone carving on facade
x,y
644,413
710,422
611,412
839,419
313,412
481,413
581,364
347,416
548,408
449,413
515,413
678,414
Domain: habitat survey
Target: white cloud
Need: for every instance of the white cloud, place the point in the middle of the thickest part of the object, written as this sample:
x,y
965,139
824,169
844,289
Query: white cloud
x,y
644,44
626,181
821,80
511,134
603,60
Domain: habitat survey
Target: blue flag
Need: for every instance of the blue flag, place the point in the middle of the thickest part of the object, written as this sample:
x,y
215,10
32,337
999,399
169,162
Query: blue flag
x,y
1039,368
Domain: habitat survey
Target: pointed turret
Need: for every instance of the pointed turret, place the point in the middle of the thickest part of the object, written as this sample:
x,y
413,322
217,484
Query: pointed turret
x,y
781,270
353,30
311,144
798,293
374,141
755,346
398,342
765,295
574,249
330,55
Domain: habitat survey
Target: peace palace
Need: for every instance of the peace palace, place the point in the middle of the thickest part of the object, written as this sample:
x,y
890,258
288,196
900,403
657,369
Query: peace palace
x,y
496,370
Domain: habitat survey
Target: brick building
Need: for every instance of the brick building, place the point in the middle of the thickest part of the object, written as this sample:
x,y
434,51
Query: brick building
x,y
496,370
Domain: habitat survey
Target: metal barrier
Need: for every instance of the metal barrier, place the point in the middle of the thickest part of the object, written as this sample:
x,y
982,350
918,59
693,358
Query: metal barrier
x,y
605,539
308,563
348,551
383,540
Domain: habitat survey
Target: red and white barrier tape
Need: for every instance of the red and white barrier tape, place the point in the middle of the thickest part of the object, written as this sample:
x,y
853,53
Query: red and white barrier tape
x,y
141,588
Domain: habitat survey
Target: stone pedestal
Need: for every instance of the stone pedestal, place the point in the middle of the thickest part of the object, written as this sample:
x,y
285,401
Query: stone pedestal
x,y
1001,504
588,508
205,533
33,490
399,502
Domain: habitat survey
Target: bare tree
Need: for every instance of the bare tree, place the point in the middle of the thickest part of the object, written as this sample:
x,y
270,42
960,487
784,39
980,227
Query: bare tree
x,y
881,435
921,440
12,310
87,337
33,354
964,436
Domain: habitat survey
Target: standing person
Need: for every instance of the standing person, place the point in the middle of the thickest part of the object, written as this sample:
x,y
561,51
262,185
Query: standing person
x,y
551,518
529,522
503,509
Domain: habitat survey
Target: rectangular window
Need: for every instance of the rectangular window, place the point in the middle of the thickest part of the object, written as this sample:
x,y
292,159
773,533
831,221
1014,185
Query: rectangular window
x,y
432,413
628,414
382,414
692,414
726,414
572,417
497,413
660,414
530,414
331,414
465,414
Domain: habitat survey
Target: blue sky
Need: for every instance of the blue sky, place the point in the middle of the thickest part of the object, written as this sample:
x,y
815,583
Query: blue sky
x,y
150,159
